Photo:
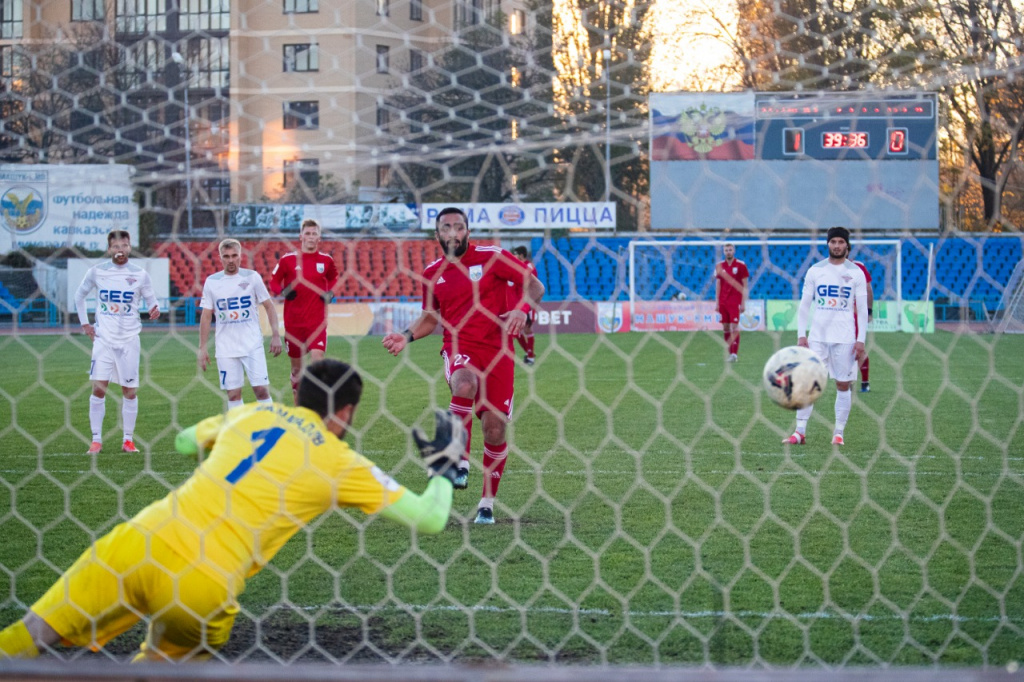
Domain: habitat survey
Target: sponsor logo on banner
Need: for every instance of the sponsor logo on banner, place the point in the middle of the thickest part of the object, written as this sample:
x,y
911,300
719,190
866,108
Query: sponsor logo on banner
x,y
24,204
511,215
610,317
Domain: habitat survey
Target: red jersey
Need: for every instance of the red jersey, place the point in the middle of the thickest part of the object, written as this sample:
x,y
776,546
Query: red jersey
x,y
470,294
313,275
867,275
730,277
515,293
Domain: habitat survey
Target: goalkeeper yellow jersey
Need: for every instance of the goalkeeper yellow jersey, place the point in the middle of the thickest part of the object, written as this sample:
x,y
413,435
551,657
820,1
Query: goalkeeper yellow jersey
x,y
270,470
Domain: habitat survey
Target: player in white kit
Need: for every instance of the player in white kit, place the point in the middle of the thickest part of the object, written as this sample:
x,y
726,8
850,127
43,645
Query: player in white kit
x,y
122,289
234,295
837,291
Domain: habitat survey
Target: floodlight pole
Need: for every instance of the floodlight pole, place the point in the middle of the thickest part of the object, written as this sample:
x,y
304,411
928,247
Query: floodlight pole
x,y
607,54
180,61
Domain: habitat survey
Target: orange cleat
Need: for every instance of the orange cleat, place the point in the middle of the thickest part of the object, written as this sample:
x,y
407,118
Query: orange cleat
x,y
129,446
795,439
95,448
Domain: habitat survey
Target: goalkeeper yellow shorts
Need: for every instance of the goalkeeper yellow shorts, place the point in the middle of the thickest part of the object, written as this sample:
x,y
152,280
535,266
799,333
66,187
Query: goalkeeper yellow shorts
x,y
128,575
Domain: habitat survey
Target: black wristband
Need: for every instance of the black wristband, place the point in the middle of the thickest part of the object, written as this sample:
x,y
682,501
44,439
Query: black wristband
x,y
409,338
869,310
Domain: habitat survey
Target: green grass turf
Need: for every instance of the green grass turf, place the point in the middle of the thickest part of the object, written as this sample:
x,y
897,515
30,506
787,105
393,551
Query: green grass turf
x,y
648,513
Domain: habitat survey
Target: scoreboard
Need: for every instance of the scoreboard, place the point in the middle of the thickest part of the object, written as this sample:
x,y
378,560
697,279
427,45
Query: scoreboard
x,y
841,127
759,161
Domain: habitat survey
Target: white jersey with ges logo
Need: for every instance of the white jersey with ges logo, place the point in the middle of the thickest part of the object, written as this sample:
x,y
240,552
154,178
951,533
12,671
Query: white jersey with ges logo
x,y
833,292
122,293
235,301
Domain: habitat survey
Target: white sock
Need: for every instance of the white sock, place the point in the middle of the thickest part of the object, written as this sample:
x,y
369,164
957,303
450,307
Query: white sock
x,y
129,412
97,409
268,401
486,503
803,415
232,404
844,401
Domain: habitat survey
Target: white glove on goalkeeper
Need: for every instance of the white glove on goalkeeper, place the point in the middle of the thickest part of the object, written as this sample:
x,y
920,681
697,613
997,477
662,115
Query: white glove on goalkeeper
x,y
442,454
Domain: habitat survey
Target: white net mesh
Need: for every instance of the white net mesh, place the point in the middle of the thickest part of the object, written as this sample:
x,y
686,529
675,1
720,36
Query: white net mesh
x,y
649,514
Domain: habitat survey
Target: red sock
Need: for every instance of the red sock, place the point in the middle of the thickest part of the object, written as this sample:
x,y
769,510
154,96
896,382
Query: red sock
x,y
523,342
529,344
728,341
495,457
295,391
463,407
864,371
734,347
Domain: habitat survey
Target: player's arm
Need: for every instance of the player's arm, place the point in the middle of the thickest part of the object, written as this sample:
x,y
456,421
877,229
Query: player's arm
x,y
275,331
871,300
205,322
280,280
84,289
424,325
861,311
149,296
745,293
332,282
718,287
198,438
803,312
428,512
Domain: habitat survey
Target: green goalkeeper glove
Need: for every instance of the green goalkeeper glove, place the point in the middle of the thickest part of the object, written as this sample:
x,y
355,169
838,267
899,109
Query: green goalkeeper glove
x,y
442,454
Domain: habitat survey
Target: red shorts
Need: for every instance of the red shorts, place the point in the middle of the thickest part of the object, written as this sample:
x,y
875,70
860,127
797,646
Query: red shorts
x,y
729,311
495,370
301,340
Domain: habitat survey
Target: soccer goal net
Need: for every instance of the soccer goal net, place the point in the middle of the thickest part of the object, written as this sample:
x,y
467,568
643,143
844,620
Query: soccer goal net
x,y
648,514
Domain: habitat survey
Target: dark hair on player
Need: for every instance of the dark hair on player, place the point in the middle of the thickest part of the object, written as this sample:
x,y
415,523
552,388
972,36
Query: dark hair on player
x,y
521,252
328,385
118,234
840,232
449,211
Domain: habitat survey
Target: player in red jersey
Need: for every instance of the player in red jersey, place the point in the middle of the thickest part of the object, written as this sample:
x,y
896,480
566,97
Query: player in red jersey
x,y
466,291
525,338
306,278
731,293
864,385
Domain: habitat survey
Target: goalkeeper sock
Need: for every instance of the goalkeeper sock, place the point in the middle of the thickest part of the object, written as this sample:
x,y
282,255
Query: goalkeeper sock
x,y
803,415
232,404
495,457
129,413
97,410
463,408
864,371
844,401
16,642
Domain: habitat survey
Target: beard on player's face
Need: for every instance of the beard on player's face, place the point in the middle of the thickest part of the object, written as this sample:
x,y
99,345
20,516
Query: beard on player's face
x,y
119,252
454,246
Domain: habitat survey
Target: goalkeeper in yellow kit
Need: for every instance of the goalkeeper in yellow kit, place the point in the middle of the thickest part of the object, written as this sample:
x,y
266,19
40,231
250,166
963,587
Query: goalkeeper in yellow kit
x,y
183,561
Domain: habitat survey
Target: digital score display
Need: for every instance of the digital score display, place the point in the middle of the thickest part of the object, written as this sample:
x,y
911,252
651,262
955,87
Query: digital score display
x,y
843,140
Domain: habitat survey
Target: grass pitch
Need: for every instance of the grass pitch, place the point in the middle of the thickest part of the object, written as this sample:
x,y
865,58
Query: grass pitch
x,y
648,514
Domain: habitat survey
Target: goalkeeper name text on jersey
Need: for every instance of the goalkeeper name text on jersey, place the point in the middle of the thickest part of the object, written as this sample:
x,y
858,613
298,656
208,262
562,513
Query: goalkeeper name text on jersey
x,y
235,301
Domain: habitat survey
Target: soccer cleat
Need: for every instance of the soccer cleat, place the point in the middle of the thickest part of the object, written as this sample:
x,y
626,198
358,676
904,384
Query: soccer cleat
x,y
129,446
732,357
461,481
865,387
837,440
95,448
529,359
795,439
484,516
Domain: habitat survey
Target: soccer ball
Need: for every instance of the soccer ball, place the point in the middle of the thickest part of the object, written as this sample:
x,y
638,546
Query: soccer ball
x,y
794,377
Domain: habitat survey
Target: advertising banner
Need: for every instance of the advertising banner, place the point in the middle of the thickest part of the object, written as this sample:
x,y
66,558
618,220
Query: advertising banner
x,y
672,316
332,217
572,317
782,316
73,205
918,317
554,215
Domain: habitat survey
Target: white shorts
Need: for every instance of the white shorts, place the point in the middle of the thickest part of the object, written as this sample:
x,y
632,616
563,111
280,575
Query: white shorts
x,y
234,370
118,364
840,359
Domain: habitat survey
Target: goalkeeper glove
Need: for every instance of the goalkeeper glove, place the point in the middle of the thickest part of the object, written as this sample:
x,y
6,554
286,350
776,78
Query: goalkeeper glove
x,y
327,296
290,295
442,454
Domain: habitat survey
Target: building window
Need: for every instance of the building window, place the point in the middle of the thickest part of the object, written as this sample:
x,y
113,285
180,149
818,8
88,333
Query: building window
x,y
208,62
218,189
416,60
383,59
383,176
470,12
12,23
301,6
141,16
87,10
302,115
416,10
142,62
13,62
383,7
306,171
301,57
204,15
383,118
517,22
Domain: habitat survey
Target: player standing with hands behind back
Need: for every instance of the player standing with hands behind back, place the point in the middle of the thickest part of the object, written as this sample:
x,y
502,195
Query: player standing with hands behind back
x,y
731,292
467,292
525,337
121,288
306,278
837,290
